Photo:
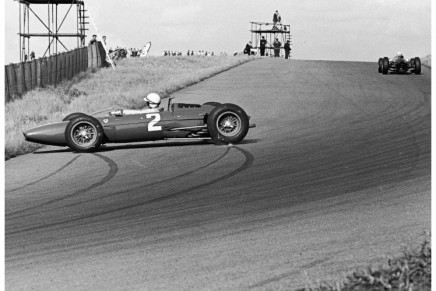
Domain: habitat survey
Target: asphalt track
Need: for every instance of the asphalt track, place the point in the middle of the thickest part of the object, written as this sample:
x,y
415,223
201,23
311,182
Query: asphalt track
x,y
336,175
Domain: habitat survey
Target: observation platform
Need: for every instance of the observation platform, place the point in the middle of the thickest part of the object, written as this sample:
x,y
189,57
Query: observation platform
x,y
282,32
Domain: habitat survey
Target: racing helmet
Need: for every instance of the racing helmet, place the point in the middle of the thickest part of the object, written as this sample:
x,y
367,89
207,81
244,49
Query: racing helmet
x,y
400,55
153,100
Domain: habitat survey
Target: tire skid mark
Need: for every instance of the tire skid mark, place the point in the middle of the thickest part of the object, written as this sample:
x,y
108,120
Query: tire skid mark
x,y
249,159
113,169
288,274
46,177
158,182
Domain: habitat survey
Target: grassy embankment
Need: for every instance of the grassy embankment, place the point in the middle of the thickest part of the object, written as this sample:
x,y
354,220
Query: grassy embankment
x,y
426,61
96,90
409,272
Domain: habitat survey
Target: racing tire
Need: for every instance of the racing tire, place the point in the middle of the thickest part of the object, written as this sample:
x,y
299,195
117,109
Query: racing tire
x,y
380,65
227,124
417,70
213,103
84,134
385,67
73,115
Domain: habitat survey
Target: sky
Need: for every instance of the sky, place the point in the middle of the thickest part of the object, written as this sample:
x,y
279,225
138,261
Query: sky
x,y
349,30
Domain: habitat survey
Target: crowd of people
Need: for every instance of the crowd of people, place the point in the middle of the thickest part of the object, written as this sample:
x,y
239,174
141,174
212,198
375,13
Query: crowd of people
x,y
192,53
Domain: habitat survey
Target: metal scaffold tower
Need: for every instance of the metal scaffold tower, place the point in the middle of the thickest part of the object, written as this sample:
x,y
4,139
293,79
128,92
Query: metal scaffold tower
x,y
281,31
52,25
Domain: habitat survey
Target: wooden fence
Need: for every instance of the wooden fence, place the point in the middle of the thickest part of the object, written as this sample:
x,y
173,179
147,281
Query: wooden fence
x,y
50,71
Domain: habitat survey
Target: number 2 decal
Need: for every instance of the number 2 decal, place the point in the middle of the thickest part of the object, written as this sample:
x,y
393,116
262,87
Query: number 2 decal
x,y
152,124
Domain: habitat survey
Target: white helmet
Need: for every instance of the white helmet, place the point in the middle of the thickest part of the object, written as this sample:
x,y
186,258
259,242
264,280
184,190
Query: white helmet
x,y
400,55
153,100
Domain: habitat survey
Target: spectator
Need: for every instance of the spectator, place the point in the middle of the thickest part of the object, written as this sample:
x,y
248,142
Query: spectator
x,y
32,55
276,19
277,44
287,48
248,48
104,39
93,39
263,43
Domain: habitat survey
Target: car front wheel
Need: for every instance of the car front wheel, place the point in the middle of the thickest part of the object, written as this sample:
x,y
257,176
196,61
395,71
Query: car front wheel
x,y
228,124
84,134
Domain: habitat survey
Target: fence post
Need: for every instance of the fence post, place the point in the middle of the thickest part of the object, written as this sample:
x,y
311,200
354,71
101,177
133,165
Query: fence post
x,y
38,72
27,78
13,84
21,78
64,66
33,70
53,70
86,61
69,66
57,65
90,56
7,92
43,71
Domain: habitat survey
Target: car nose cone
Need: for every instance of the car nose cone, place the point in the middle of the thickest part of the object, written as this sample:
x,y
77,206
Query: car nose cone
x,y
51,134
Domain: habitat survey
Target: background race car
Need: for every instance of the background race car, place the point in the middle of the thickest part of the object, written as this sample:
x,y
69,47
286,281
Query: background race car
x,y
399,65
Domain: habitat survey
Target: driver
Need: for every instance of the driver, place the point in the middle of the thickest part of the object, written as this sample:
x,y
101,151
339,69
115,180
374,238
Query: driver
x,y
152,100
399,58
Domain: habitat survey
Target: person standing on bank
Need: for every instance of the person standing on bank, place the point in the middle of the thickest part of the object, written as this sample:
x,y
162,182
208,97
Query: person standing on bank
x,y
287,48
277,44
248,48
93,39
262,46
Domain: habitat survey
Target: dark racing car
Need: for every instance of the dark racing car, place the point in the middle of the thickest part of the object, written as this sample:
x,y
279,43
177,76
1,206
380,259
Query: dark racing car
x,y
221,123
399,64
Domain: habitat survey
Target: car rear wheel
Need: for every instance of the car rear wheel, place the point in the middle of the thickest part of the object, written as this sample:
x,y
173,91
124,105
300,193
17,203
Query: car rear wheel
x,y
385,67
84,134
380,65
228,124
417,66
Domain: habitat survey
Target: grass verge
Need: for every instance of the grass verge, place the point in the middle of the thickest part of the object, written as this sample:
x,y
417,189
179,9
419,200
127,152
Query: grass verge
x,y
96,90
426,61
409,272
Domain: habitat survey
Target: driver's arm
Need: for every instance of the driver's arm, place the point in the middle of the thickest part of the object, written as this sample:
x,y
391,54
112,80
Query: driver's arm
x,y
140,111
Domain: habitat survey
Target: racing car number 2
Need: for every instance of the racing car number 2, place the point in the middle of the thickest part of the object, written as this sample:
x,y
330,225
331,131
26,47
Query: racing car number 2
x,y
152,124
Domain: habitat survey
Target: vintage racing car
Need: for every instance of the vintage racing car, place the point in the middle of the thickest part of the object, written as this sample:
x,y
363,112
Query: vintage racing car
x,y
221,123
399,64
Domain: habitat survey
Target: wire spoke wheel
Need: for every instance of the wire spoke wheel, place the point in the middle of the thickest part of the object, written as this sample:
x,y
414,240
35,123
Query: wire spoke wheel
x,y
84,134
229,124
